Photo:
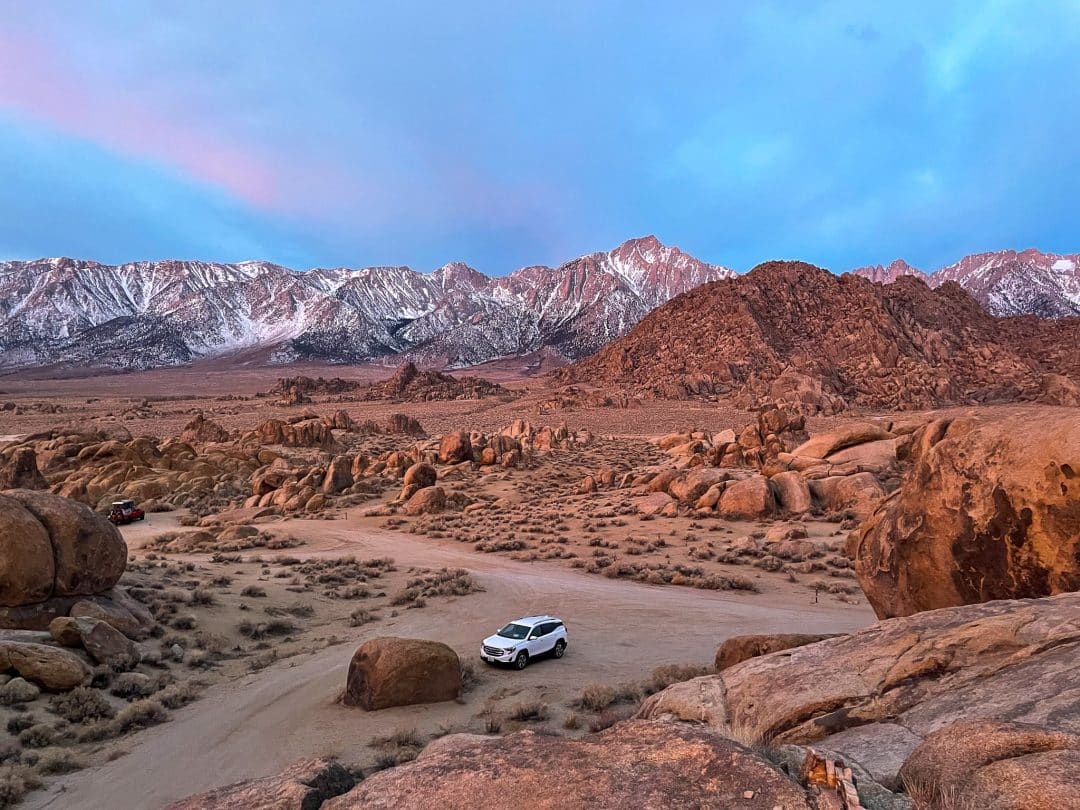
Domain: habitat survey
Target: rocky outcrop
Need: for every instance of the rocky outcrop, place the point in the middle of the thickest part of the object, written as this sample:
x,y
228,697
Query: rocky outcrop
x,y
304,785
388,672
633,765
991,510
55,547
995,766
898,681
304,432
200,429
410,384
20,470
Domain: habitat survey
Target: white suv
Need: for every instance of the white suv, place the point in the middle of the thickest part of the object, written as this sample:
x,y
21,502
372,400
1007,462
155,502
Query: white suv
x,y
524,639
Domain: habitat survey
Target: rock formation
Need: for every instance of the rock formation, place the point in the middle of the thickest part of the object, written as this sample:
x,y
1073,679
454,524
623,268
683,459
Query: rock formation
x,y
793,333
388,672
54,547
409,384
876,694
20,470
991,510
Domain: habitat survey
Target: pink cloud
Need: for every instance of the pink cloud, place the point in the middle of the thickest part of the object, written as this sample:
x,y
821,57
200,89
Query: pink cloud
x,y
38,82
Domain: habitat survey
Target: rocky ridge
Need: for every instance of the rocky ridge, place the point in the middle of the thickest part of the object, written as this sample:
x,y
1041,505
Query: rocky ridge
x,y
793,333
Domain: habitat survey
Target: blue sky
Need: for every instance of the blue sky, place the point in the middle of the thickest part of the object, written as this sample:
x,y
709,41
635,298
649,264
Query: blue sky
x,y
504,134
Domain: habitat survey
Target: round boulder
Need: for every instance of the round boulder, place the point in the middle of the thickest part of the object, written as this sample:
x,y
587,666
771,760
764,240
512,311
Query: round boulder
x,y
27,570
427,501
455,447
388,672
89,553
420,474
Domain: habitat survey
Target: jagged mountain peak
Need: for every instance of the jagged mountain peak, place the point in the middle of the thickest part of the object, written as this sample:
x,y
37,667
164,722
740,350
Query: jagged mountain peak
x,y
1005,282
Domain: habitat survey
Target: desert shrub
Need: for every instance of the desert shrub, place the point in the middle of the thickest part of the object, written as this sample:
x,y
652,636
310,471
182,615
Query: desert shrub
x,y
529,712
400,737
469,677
15,782
81,705
279,627
38,736
130,685
571,721
360,617
253,591
56,761
183,623
663,677
140,714
609,717
178,694
19,722
597,697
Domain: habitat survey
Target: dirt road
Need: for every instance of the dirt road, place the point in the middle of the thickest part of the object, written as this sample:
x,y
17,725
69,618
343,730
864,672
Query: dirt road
x,y
619,631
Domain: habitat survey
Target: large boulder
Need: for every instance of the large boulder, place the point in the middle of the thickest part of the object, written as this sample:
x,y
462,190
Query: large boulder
x,y
388,672
421,474
792,492
27,569
1009,660
824,445
859,493
339,475
455,447
996,766
21,471
51,667
88,552
304,785
632,766
749,499
426,501
989,511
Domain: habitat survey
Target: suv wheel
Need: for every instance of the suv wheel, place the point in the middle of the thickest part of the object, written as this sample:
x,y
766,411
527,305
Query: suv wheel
x,y
522,660
560,648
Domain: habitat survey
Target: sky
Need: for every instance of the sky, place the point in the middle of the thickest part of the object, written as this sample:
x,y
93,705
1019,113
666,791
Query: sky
x,y
506,134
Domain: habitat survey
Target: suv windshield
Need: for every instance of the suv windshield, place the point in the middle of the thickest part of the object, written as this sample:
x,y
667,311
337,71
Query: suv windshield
x,y
514,631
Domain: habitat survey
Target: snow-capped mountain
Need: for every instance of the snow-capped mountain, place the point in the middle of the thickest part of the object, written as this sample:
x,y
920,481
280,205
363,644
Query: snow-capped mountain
x,y
147,314
1005,282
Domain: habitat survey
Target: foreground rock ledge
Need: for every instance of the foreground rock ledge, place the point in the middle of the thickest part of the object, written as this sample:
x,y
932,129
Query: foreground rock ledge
x,y
875,694
304,785
637,764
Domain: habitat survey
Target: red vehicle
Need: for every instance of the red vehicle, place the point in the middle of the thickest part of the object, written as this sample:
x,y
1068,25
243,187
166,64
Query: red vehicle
x,y
125,512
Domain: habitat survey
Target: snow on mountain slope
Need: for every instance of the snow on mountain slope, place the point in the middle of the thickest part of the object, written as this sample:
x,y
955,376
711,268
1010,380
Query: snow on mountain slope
x,y
142,314
1005,282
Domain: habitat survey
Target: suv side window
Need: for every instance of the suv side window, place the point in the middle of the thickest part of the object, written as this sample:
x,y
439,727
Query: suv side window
x,y
546,628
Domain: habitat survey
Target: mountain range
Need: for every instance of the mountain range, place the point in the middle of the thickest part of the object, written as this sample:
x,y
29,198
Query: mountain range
x,y
147,314
137,315
1006,282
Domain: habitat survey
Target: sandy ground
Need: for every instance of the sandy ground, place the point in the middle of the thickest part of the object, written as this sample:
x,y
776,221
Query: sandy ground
x,y
257,723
